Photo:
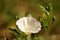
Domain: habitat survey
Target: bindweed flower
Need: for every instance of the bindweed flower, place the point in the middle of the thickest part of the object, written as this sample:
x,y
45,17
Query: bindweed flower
x,y
28,25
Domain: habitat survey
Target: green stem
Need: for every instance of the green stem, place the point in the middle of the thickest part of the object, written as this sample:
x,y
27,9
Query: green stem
x,y
29,37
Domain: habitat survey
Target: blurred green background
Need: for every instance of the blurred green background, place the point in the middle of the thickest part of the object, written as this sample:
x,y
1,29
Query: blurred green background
x,y
9,9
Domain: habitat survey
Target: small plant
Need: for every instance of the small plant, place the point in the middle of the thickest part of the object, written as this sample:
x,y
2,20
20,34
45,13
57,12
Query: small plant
x,y
28,27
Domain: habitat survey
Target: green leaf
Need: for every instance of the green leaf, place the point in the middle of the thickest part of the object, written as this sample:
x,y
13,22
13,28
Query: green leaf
x,y
53,19
14,30
44,10
45,24
16,17
18,34
49,7
14,35
26,14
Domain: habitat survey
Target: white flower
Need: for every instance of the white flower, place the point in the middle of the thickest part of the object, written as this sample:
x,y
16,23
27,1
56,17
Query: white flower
x,y
29,25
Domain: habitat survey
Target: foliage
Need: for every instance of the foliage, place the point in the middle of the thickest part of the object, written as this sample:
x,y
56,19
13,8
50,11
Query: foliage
x,y
45,22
